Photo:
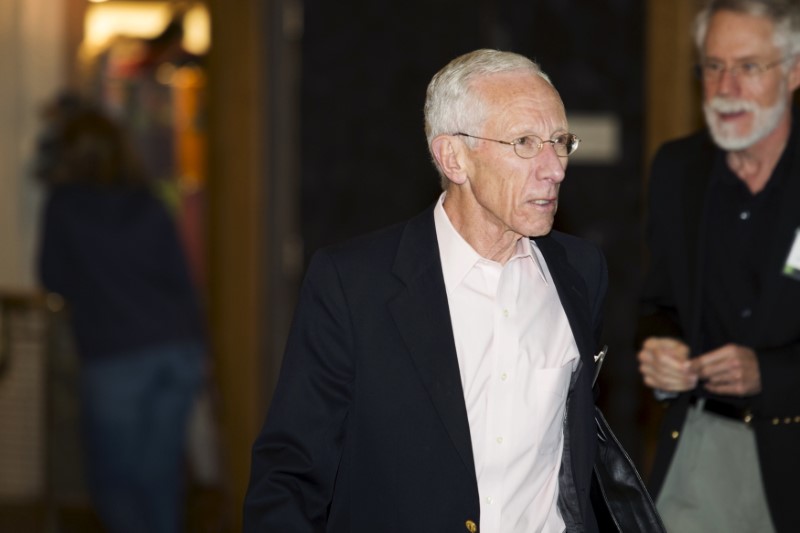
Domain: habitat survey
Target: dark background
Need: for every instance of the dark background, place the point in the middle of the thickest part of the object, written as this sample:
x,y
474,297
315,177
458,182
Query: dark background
x,y
365,163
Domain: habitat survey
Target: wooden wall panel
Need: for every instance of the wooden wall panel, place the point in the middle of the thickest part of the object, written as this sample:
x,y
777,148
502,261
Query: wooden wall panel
x,y
672,104
236,241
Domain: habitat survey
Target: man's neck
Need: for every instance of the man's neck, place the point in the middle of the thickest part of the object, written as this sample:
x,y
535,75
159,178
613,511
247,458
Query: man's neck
x,y
755,164
487,237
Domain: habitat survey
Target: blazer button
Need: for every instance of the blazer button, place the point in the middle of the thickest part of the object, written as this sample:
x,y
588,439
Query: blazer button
x,y
471,527
675,434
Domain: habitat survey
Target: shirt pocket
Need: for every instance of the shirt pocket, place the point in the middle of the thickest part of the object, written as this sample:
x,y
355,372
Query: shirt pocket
x,y
546,398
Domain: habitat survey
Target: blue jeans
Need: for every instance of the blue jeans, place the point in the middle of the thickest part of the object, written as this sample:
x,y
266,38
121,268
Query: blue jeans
x,y
135,408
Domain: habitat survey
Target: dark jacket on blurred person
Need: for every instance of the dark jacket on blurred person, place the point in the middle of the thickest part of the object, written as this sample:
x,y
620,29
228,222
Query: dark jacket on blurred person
x,y
109,245
114,254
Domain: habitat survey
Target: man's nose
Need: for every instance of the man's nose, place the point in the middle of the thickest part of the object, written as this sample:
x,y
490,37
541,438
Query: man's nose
x,y
728,82
550,165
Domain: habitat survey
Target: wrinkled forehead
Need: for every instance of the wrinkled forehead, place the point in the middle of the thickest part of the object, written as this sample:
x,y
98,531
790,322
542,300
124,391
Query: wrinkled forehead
x,y
509,85
522,96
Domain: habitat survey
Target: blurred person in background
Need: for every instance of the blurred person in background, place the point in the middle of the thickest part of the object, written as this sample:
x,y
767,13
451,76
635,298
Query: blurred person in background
x,y
110,248
720,322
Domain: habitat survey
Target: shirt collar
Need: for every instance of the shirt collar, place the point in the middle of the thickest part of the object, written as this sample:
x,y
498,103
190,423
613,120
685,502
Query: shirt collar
x,y
458,257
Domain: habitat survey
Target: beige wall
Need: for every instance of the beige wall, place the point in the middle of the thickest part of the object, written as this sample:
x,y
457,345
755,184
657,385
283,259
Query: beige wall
x,y
32,35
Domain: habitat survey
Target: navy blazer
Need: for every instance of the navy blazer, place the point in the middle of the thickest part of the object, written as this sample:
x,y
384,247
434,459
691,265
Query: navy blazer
x,y
671,306
367,430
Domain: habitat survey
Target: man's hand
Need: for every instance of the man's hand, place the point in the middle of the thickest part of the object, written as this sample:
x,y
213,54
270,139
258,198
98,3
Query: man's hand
x,y
731,370
664,364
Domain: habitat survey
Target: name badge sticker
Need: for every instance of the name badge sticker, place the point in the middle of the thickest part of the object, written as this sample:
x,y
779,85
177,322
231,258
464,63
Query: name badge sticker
x,y
792,266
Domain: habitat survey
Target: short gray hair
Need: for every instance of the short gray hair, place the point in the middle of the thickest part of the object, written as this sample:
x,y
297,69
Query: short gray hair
x,y
452,106
784,14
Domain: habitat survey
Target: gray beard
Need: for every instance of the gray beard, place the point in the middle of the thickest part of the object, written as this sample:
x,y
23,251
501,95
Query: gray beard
x,y
764,121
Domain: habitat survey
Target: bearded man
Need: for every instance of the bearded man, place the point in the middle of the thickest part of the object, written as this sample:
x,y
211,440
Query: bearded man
x,y
719,325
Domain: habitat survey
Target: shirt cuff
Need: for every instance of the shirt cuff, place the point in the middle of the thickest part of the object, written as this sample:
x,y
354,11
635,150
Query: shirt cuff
x,y
662,395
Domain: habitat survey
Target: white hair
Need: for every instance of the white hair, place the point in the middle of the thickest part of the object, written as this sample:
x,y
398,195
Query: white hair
x,y
451,105
784,14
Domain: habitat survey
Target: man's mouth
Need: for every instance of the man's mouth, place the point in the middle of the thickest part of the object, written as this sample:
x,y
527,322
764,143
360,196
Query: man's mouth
x,y
731,115
544,201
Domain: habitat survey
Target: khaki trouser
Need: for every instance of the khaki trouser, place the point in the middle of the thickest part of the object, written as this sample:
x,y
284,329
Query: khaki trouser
x,y
714,481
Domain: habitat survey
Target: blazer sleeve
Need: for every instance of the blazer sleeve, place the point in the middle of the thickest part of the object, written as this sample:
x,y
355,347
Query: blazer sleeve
x,y
296,456
658,310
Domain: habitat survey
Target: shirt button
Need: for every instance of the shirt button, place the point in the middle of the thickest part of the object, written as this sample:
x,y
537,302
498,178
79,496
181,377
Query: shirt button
x,y
505,313
499,440
489,500
746,312
503,376
744,215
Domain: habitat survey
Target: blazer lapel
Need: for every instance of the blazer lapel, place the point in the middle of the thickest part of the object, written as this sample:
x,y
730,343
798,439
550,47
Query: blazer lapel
x,y
422,316
572,293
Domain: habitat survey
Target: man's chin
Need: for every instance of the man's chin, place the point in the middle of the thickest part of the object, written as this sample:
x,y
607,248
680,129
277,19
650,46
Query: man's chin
x,y
726,137
731,143
540,230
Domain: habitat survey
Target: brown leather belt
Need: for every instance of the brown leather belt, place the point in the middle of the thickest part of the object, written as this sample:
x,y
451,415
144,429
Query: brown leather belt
x,y
726,410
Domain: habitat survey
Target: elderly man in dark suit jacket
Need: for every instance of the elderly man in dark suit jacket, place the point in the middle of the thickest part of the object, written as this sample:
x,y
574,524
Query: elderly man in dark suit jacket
x,y
720,305
438,373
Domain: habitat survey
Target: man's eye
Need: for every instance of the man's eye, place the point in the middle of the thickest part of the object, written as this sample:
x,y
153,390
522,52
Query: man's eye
x,y
527,141
750,68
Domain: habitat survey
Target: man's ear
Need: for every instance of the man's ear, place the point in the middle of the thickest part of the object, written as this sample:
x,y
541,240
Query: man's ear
x,y
450,157
794,75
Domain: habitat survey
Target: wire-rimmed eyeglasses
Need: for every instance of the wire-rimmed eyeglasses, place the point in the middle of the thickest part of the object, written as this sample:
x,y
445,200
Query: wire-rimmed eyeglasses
x,y
530,145
750,70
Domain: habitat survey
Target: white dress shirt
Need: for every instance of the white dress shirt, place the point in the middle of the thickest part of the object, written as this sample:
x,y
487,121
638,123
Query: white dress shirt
x,y
516,353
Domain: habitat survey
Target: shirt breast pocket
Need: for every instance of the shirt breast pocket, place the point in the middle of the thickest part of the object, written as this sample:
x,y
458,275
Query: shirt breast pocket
x,y
546,399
